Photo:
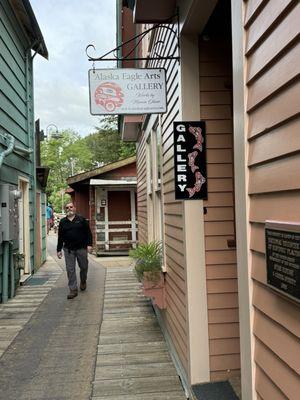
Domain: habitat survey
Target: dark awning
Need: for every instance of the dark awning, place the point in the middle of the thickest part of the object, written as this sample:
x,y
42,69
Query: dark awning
x,y
129,4
42,175
154,11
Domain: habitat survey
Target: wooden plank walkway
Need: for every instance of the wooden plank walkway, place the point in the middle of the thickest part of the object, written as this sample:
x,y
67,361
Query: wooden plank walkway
x,y
18,311
133,362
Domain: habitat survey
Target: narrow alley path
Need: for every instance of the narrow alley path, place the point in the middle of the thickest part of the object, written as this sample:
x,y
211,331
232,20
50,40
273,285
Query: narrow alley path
x,y
54,356
52,348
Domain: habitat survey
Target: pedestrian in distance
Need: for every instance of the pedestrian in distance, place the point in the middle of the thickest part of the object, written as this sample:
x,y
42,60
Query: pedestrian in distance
x,y
75,239
49,215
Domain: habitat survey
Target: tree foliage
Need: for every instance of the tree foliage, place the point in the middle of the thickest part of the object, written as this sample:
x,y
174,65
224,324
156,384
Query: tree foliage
x,y
65,156
106,144
71,154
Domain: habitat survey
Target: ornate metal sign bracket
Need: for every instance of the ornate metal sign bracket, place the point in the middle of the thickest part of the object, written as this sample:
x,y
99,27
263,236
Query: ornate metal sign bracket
x,y
157,48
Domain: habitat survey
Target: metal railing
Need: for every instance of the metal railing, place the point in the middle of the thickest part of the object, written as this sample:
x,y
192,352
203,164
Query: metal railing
x,y
117,235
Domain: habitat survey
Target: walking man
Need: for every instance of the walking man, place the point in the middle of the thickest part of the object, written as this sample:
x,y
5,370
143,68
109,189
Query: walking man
x,y
75,238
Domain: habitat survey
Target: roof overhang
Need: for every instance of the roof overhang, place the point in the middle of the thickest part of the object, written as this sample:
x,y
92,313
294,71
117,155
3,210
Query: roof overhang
x,y
194,15
26,17
83,176
131,127
114,182
154,11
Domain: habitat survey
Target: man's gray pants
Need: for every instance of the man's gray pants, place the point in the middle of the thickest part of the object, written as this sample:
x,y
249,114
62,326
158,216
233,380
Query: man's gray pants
x,y
71,256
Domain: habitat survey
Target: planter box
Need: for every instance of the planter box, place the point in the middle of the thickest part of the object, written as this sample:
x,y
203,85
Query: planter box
x,y
155,289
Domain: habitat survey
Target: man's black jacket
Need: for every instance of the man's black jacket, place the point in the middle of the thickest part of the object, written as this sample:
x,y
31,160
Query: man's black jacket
x,y
75,234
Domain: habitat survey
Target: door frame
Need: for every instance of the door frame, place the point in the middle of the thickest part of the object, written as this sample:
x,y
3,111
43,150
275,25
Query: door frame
x,y
24,225
38,232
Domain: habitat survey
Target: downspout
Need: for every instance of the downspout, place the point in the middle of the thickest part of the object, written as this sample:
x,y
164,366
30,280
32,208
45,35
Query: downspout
x,y
9,149
31,145
119,51
119,31
5,272
12,271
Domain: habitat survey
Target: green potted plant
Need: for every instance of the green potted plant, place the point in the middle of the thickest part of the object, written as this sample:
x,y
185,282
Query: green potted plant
x,y
148,268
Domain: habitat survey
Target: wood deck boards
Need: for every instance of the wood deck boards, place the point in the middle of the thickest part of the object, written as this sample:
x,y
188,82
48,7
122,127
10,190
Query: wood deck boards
x,y
132,361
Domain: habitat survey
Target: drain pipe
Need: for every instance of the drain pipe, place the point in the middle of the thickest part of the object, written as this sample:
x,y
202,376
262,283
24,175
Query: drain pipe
x,y
5,272
9,149
22,150
12,270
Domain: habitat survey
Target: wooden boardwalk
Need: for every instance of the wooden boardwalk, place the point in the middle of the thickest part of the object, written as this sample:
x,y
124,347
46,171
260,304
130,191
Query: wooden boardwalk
x,y
133,362
15,314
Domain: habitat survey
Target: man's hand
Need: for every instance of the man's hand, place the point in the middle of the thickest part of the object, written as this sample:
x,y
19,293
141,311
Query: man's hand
x,y
89,249
59,254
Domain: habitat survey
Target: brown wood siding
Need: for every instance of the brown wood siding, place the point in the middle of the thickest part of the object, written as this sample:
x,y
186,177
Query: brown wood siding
x,y
81,200
125,171
216,110
273,58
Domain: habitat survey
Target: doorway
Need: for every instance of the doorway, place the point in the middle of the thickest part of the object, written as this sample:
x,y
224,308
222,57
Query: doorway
x,y
38,252
216,109
24,228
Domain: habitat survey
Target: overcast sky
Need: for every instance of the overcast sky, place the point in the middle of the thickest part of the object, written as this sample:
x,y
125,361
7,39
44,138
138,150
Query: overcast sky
x,y
61,83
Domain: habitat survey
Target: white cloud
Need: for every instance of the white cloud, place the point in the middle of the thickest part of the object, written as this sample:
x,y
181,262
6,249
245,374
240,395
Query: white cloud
x,y
61,84
66,105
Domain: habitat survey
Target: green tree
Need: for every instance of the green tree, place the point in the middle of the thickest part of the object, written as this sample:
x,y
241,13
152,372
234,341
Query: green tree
x,y
65,156
71,154
106,144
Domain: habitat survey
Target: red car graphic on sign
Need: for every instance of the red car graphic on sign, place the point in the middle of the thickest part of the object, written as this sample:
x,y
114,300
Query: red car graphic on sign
x,y
109,96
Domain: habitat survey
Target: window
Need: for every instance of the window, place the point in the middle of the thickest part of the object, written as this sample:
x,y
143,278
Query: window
x,y
154,200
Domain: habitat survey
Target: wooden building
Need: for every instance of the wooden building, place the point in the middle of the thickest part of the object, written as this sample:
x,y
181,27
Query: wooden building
x,y
239,73
106,196
22,205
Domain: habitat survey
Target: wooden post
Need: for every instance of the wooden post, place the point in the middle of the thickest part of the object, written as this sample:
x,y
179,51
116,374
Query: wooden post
x,y
133,217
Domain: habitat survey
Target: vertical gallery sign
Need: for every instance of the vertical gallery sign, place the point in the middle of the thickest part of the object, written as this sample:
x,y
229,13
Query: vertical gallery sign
x,y
190,160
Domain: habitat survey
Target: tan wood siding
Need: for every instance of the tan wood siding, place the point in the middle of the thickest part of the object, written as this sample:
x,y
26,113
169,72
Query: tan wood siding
x,y
216,110
174,317
273,108
175,314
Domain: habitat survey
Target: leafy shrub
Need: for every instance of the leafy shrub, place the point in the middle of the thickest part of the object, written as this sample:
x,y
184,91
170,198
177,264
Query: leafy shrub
x,y
148,259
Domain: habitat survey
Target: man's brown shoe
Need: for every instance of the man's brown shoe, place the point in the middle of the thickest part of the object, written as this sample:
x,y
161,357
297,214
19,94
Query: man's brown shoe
x,y
82,286
72,294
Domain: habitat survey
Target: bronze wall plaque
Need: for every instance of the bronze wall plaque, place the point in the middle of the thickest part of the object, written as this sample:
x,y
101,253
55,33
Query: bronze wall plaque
x,y
283,257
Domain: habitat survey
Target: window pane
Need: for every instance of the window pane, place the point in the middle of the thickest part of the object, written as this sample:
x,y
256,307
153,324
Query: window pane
x,y
158,157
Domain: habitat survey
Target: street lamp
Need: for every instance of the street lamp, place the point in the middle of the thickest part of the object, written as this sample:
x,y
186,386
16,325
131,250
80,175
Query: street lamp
x,y
50,133
72,162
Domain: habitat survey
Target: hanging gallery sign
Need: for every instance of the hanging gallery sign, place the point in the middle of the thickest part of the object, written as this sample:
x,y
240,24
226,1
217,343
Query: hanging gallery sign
x,y
190,160
127,91
283,257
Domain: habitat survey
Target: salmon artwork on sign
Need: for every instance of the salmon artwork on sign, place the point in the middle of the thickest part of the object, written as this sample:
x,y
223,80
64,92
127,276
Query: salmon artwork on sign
x,y
190,160
196,131
109,96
